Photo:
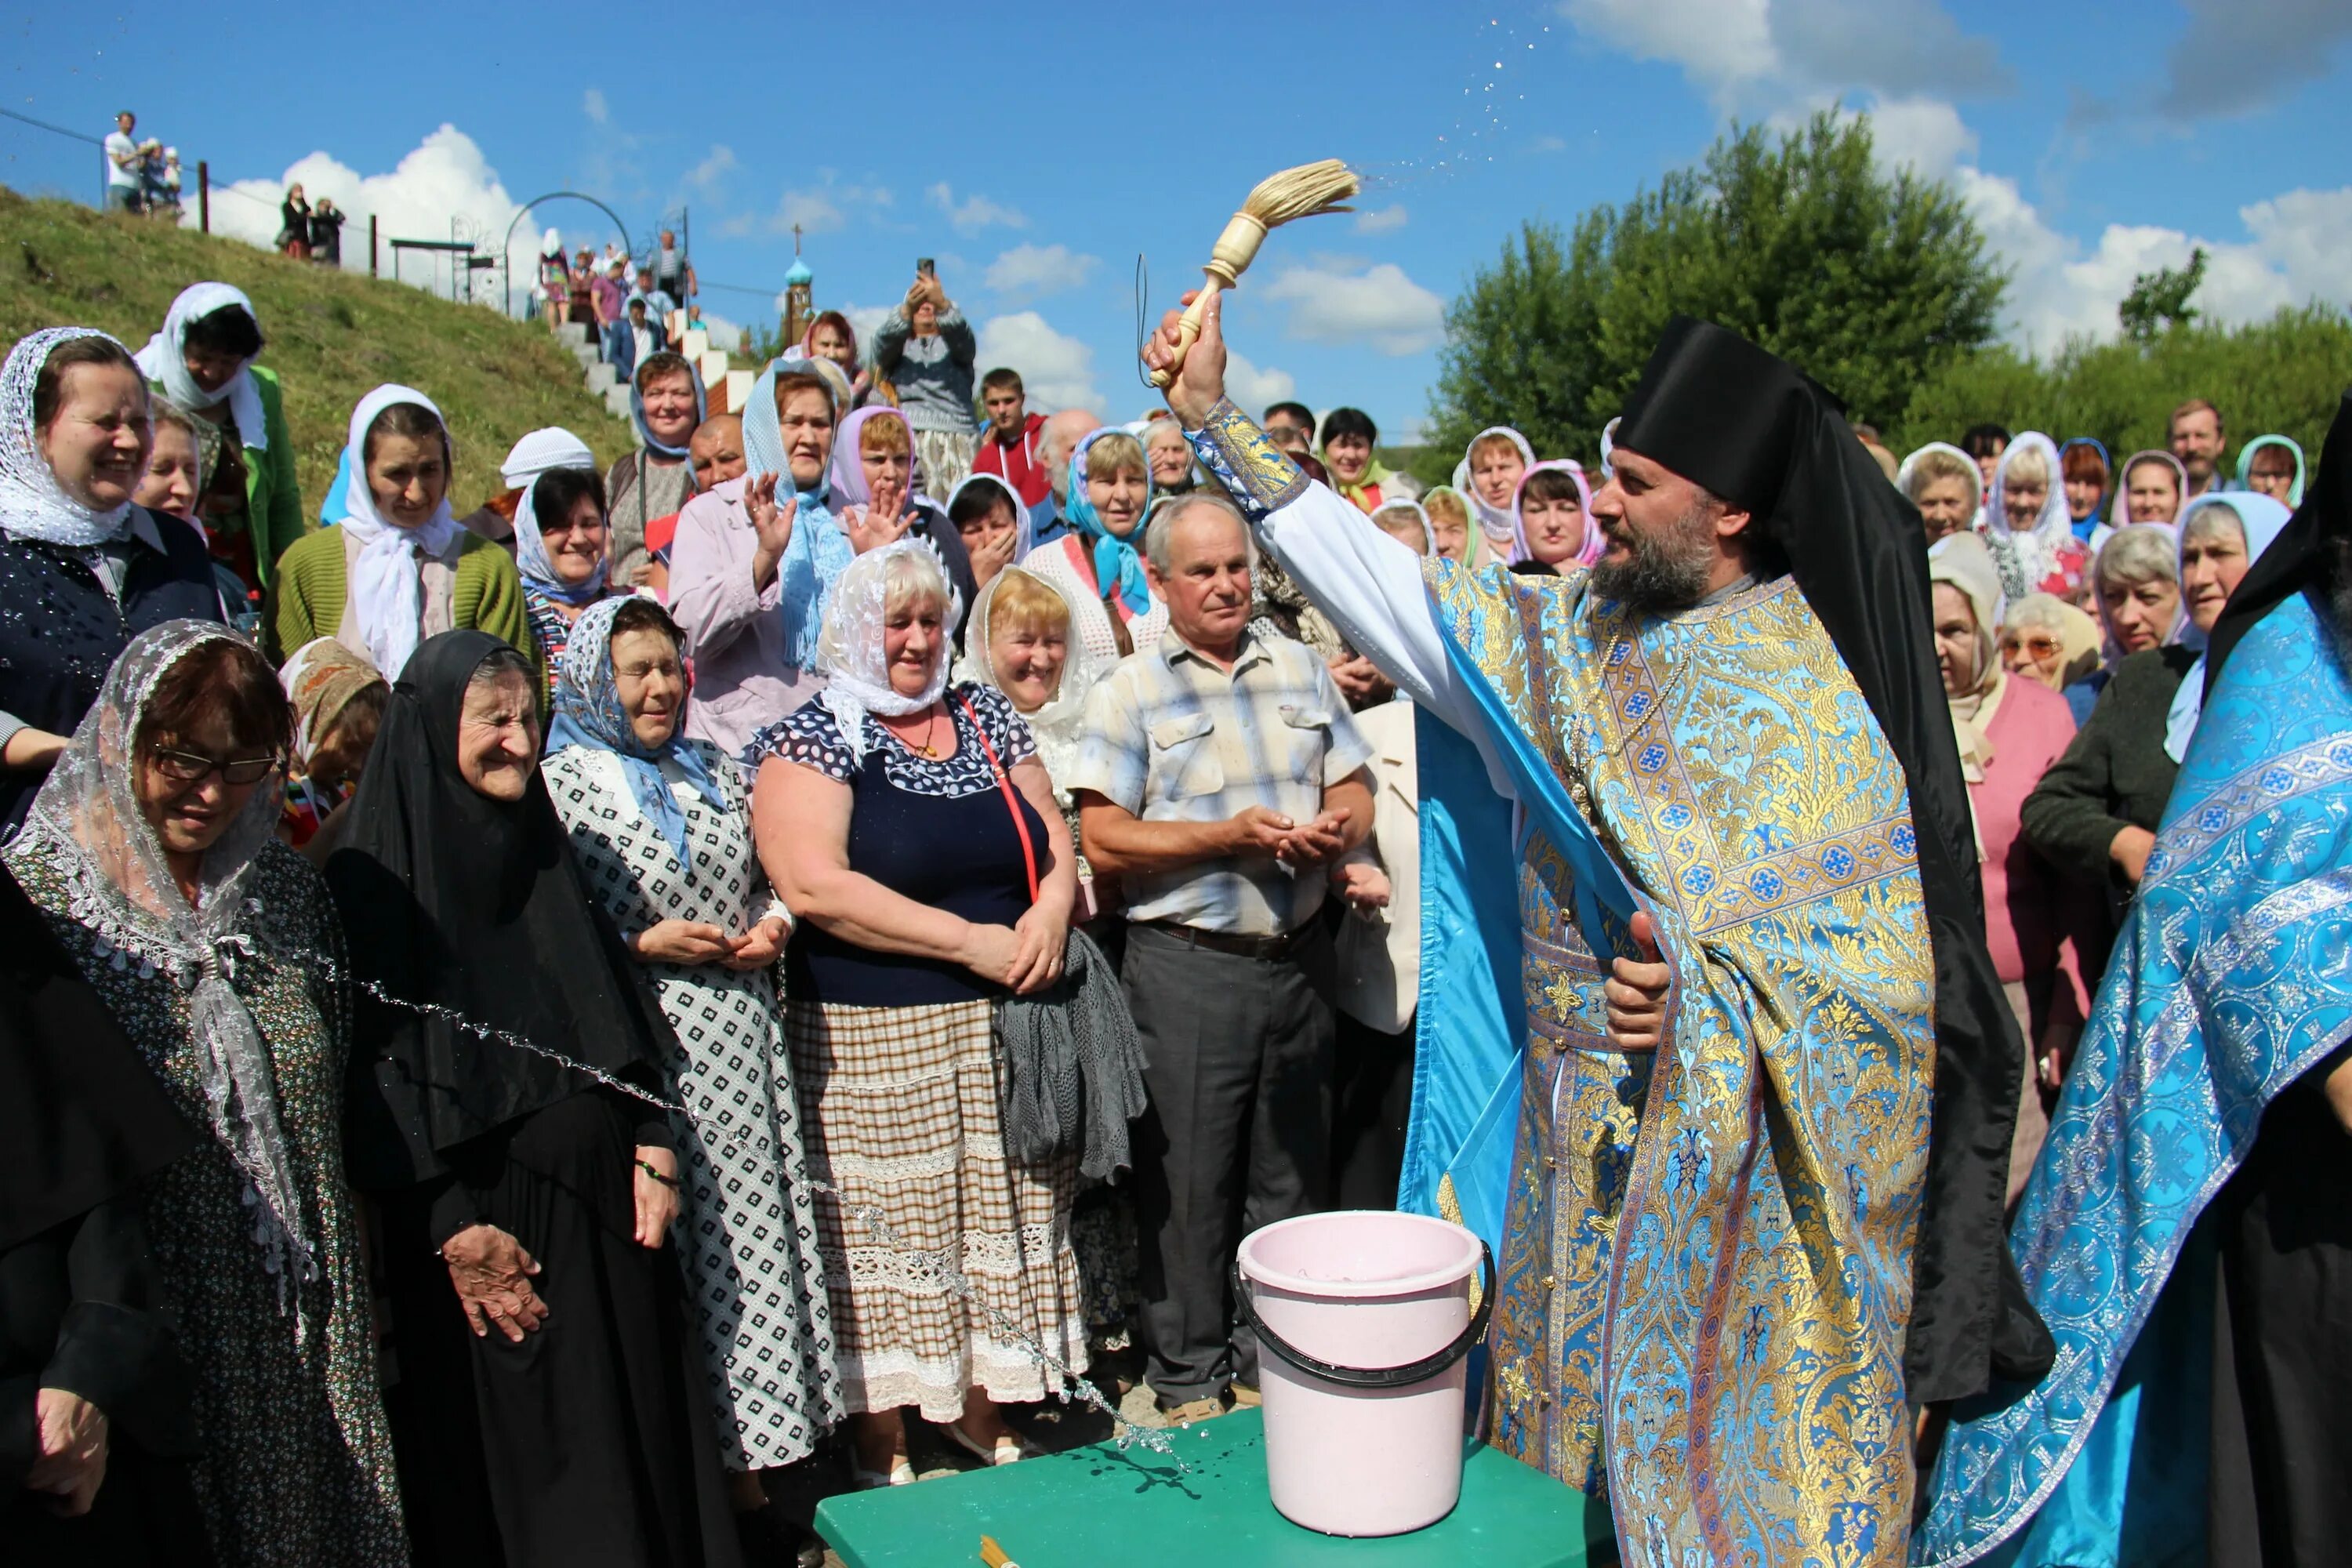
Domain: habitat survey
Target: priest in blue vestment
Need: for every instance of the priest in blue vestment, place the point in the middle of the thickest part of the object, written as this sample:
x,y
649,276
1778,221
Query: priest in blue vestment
x,y
1751,1224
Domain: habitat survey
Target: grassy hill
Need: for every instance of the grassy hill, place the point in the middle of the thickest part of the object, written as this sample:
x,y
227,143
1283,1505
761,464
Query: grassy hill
x,y
334,335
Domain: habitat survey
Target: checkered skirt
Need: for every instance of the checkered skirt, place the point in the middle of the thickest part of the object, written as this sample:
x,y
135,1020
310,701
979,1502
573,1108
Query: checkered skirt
x,y
903,1124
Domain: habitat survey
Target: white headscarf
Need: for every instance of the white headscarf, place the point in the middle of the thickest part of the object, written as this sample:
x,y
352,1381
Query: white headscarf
x,y
536,454
1497,523
164,359
849,648
1060,725
387,587
33,505
2261,519
88,816
2036,548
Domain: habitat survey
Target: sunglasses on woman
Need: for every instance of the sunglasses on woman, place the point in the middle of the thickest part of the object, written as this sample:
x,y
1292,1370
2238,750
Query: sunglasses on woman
x,y
195,767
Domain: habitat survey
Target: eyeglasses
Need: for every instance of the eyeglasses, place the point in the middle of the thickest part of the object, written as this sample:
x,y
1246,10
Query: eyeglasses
x,y
2037,647
194,768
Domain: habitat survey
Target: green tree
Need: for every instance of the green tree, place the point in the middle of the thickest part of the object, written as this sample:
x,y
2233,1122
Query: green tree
x,y
2158,302
1870,282
2281,376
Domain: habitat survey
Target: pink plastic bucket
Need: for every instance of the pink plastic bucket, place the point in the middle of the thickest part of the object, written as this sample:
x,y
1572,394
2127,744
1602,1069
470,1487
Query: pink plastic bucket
x,y
1362,1320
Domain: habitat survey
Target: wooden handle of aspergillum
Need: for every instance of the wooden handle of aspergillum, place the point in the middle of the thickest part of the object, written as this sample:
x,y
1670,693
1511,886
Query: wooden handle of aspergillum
x,y
1228,258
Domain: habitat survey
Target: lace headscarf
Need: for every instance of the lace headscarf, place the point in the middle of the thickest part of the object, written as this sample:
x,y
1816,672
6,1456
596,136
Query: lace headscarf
x,y
1060,722
164,360
1498,523
538,453
818,551
88,816
1118,566
588,712
2029,557
387,585
33,505
850,648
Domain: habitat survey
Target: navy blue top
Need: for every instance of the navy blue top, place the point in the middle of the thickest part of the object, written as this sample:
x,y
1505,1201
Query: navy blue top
x,y
61,631
937,831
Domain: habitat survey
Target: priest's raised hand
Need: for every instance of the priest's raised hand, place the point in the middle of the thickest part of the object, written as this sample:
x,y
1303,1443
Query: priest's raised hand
x,y
1202,382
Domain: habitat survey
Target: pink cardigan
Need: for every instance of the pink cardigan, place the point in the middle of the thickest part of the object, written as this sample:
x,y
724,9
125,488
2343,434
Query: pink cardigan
x,y
734,634
2035,920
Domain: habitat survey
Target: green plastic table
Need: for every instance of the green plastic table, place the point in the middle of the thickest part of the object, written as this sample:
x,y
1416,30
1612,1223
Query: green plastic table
x,y
1093,1507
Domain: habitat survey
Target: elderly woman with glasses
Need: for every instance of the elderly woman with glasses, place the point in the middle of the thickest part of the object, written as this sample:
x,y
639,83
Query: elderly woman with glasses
x,y
153,850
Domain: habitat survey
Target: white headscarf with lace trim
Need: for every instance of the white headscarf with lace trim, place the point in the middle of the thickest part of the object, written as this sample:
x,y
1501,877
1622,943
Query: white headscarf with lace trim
x,y
88,816
33,505
850,650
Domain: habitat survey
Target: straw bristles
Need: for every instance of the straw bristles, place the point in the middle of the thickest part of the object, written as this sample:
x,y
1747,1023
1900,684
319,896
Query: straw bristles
x,y
1302,192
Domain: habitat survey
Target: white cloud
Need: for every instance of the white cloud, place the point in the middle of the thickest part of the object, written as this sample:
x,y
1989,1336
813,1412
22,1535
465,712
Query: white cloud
x,y
1924,134
2242,55
592,104
1032,271
1755,55
1254,388
705,175
1549,144
974,212
1379,306
812,211
1058,371
446,177
1381,222
2064,287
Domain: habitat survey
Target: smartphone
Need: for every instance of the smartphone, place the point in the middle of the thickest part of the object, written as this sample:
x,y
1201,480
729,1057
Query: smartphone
x,y
926,266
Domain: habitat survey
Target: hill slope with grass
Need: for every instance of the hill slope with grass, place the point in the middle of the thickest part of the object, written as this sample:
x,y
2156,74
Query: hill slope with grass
x,y
334,335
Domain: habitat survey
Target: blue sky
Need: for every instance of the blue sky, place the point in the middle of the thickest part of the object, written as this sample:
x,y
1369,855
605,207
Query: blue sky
x,y
1036,149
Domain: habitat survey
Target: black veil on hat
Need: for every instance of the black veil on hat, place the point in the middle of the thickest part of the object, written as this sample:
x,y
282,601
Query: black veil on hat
x,y
475,907
1766,437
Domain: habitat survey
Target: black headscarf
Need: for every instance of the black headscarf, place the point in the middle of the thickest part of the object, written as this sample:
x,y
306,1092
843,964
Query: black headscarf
x,y
81,1115
2299,559
1767,438
459,902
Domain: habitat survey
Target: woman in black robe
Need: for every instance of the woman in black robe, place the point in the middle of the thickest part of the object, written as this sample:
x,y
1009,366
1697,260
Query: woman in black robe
x,y
95,1415
550,1408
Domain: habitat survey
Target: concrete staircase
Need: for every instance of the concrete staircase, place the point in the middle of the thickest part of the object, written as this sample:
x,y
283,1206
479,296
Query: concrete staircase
x,y
725,390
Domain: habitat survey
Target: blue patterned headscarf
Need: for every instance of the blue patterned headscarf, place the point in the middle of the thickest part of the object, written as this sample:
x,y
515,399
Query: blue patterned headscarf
x,y
588,712
644,431
819,552
1117,563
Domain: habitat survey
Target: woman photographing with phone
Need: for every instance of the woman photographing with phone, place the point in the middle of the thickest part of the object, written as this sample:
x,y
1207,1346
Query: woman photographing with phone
x,y
927,350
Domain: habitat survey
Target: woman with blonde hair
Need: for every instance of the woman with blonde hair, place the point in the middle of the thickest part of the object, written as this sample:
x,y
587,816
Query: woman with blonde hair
x,y
2027,524
1099,562
1945,484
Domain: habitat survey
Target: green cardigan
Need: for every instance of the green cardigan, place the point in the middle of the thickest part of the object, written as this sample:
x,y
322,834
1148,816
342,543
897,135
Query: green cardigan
x,y
305,602
2115,774
273,502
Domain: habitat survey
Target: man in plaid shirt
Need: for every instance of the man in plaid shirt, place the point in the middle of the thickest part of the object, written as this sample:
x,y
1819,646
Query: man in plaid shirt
x,y
1221,776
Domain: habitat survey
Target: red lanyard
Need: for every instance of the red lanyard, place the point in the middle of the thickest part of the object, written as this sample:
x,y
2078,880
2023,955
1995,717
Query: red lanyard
x,y
1005,784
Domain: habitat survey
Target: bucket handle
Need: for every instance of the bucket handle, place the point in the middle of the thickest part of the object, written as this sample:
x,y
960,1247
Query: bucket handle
x,y
1382,1377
